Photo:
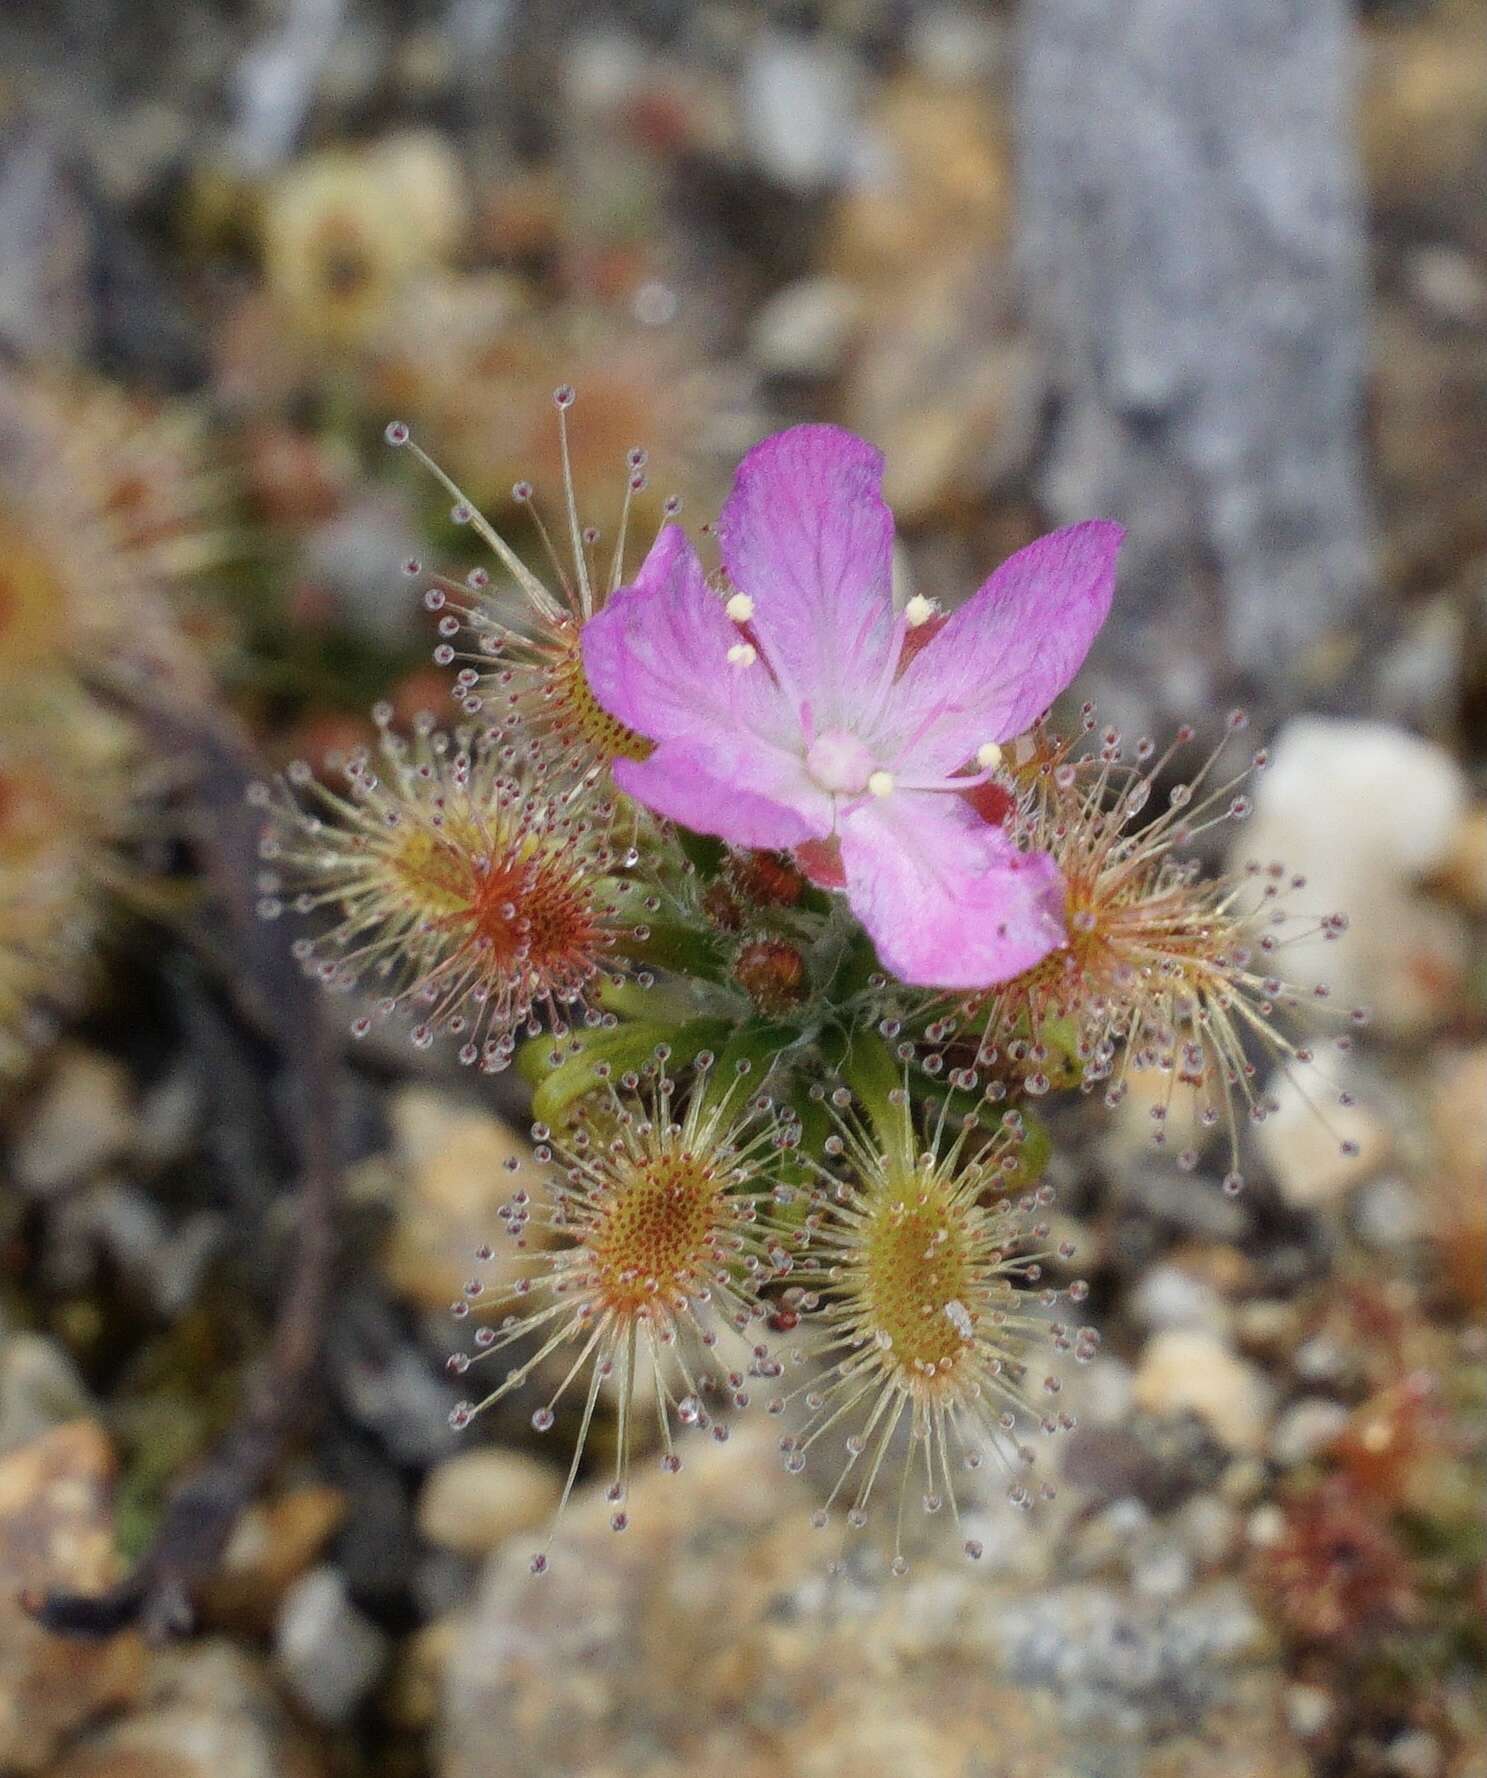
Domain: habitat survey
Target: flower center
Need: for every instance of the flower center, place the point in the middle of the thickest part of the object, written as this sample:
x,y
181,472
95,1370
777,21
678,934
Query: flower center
x,y
840,763
656,1231
577,714
918,1278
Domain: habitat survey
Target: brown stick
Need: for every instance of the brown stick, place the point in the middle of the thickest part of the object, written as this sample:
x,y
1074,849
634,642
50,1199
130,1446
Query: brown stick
x,y
273,993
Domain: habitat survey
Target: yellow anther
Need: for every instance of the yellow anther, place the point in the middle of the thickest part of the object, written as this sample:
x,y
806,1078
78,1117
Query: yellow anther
x,y
742,654
989,756
740,608
880,784
919,610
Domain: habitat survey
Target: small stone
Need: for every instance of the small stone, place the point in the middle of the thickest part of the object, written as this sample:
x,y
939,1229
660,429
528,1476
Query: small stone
x,y
1167,1194
56,1533
1243,1482
805,329
950,385
1267,1326
941,177
39,1388
1266,1526
1162,1571
1315,1149
207,1711
122,1227
346,558
1418,676
475,1501
169,1112
957,45
1107,1538
715,1607
450,1180
1364,812
1106,1392
1388,1214
1209,1528
1168,1296
1323,1359
394,210
1463,875
800,99
1306,1430
1423,106
1190,1370
82,1121
331,1656
1414,1754
1455,1203
416,1688
1308,1709
271,1546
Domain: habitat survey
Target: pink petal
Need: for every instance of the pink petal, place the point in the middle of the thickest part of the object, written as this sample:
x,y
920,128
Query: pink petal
x,y
1003,658
807,536
744,791
656,656
948,901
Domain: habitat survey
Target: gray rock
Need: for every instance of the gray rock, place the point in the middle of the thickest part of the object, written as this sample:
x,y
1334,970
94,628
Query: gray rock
x,y
1209,1528
112,1220
39,1388
958,43
1415,1754
804,330
1306,1429
1105,1540
1448,284
1168,1296
208,1711
1131,1665
81,1121
1161,1570
1187,1370
354,557
1388,1214
330,1655
169,1113
472,1502
1332,804
1195,255
800,99
1308,1709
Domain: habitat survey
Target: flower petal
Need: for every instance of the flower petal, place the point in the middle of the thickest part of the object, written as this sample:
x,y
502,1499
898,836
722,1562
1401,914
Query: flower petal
x,y
656,656
807,535
1002,659
948,901
743,790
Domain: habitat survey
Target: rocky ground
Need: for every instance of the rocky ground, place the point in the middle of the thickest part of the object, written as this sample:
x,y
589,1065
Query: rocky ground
x,y
1266,1556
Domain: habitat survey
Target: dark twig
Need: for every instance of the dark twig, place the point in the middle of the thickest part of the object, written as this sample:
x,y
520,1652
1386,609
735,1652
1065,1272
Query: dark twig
x,y
158,1594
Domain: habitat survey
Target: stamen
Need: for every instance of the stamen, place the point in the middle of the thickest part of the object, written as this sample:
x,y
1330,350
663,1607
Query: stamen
x,y
989,756
563,399
742,655
740,608
920,610
880,784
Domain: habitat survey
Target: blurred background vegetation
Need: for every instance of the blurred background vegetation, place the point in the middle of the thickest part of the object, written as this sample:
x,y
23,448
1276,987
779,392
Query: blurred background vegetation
x,y
1220,273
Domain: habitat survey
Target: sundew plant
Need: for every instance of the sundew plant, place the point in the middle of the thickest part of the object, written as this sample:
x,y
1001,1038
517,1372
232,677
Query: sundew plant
x,y
793,910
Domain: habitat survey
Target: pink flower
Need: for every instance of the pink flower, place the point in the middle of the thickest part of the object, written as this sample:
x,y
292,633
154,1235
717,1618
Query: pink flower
x,y
788,714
